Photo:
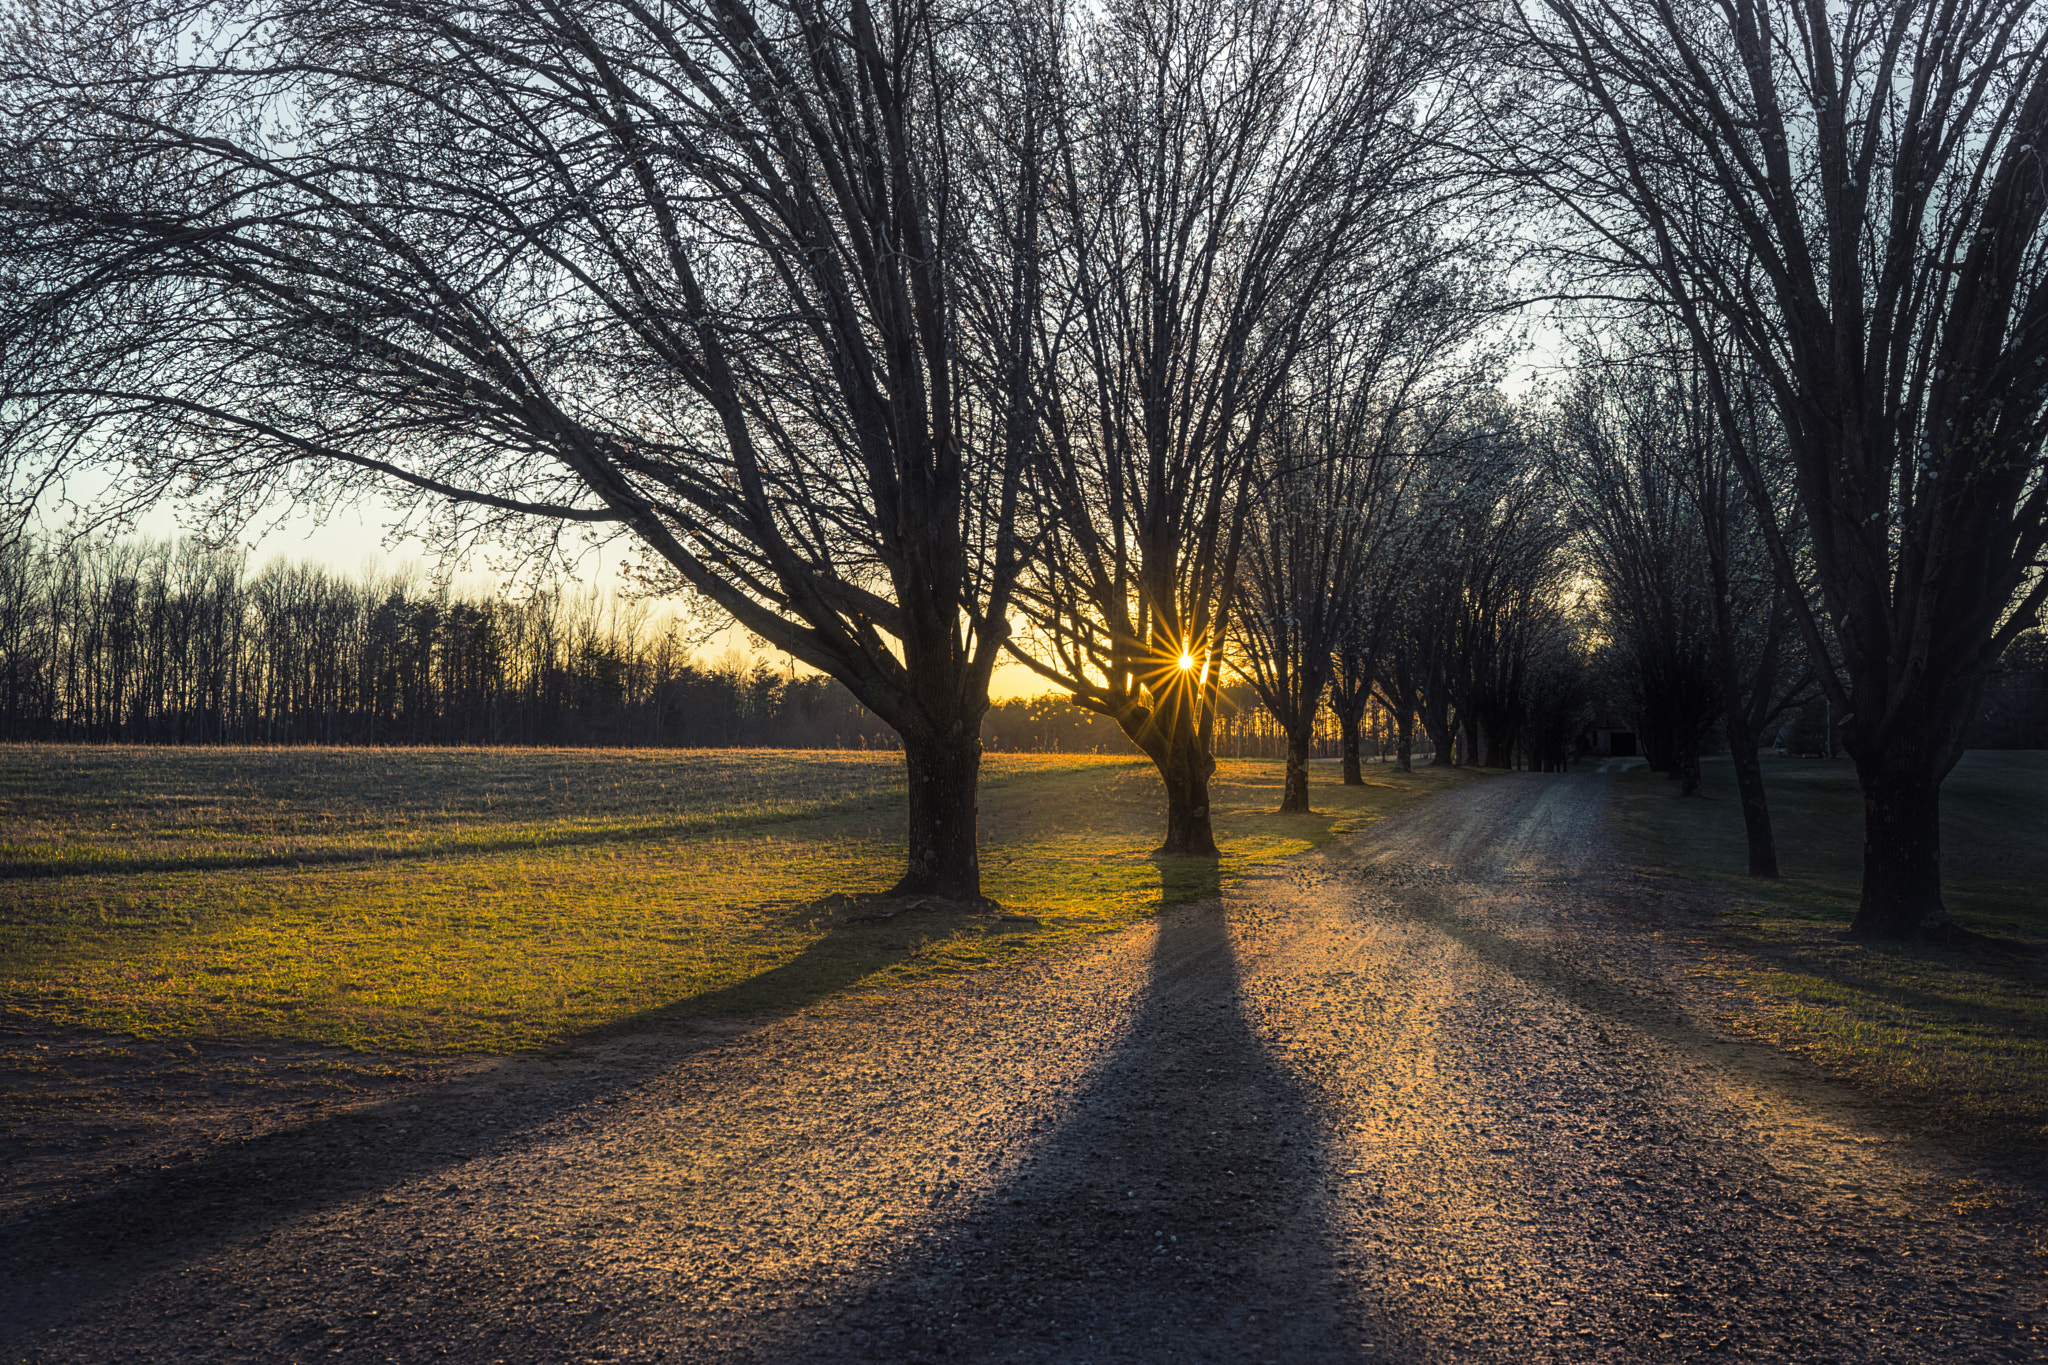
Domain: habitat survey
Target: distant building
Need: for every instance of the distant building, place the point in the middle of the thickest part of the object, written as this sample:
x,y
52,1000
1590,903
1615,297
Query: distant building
x,y
1614,737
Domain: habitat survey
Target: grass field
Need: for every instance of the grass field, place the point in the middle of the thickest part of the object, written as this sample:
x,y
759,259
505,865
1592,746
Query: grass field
x,y
490,900
1960,1033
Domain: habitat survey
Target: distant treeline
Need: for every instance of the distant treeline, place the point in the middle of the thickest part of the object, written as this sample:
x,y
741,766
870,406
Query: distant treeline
x,y
160,642
141,641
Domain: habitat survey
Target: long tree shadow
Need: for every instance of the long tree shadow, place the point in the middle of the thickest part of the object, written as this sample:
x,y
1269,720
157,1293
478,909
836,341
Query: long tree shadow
x,y
1177,1214
179,1205
538,839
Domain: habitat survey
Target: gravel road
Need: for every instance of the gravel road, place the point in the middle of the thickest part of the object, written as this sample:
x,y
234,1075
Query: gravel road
x,y
1446,1092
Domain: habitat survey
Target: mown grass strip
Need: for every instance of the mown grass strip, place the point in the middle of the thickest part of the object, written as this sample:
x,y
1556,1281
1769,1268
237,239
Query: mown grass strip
x,y
1960,1033
492,900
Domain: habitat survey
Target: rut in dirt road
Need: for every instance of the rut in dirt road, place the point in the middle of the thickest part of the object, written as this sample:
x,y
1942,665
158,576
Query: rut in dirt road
x,y
1441,1093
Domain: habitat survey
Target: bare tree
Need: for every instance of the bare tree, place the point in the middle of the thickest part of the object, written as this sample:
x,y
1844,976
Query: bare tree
x,y
1310,538
747,281
1364,405
1640,541
1649,460
1222,166
1850,198
1415,646
1510,607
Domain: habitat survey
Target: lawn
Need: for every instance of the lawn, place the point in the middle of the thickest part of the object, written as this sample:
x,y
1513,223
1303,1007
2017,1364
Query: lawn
x,y
1961,1033
452,900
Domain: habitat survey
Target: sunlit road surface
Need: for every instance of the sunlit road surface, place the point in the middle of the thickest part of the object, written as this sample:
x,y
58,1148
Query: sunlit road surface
x,y
1436,1095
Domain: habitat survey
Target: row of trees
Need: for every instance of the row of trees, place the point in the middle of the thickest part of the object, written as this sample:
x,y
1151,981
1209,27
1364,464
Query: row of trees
x,y
1701,630
158,642
1427,581
1126,340
153,642
879,327
1836,214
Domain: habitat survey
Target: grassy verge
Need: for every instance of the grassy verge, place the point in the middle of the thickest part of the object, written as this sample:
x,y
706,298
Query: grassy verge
x,y
1961,1034
488,900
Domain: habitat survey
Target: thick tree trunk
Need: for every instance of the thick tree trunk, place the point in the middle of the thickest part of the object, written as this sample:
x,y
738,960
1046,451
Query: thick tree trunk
x,y
1655,740
1500,748
1350,700
1756,808
1685,767
1404,751
944,773
1901,851
1440,739
1185,767
1294,799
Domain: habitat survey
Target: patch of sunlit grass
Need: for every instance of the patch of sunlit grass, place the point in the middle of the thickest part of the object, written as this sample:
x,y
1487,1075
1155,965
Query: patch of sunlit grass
x,y
1961,1033
510,898
66,809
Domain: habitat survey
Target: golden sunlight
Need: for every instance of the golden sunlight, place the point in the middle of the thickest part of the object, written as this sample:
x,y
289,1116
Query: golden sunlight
x,y
1187,661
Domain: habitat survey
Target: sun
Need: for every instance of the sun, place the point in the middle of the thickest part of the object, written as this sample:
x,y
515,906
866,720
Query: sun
x,y
1187,662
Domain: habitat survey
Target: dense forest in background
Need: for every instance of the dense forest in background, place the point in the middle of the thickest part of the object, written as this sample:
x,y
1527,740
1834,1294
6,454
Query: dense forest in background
x,y
141,641
158,642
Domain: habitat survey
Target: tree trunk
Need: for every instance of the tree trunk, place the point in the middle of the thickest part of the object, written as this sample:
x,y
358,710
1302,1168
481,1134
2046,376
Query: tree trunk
x,y
1354,772
1404,752
1686,768
1185,767
1756,808
1749,770
1500,748
1901,852
944,774
1439,731
1294,800
1654,738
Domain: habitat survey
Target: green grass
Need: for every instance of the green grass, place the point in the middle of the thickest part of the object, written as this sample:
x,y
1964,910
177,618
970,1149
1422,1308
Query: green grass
x,y
491,900
1959,1033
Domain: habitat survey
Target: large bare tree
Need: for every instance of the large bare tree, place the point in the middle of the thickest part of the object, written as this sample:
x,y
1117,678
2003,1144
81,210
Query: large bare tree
x,y
1849,198
1223,165
750,282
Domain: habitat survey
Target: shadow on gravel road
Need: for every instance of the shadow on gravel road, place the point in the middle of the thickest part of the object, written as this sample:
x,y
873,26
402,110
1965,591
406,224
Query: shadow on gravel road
x,y
185,1202
183,1206
1176,1215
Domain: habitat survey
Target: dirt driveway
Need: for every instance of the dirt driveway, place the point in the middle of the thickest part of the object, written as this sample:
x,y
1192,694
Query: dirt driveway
x,y
1442,1093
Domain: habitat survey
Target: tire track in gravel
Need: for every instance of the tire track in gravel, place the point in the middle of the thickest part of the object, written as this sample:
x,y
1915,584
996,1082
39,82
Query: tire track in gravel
x,y
1433,1095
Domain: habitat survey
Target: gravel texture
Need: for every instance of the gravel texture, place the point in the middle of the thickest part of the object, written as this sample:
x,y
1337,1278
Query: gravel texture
x,y
1441,1093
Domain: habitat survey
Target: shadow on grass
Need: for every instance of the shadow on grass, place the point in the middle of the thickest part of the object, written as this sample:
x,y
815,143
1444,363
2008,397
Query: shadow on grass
x,y
30,867
182,1206
849,953
1187,879
1854,971
188,1206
